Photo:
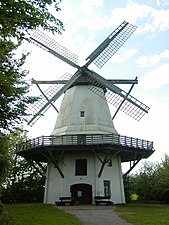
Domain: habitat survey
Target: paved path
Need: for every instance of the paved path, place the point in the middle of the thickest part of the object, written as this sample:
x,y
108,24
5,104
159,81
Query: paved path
x,y
95,215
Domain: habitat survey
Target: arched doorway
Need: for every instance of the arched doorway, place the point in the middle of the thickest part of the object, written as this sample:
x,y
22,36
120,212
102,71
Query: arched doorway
x,y
82,193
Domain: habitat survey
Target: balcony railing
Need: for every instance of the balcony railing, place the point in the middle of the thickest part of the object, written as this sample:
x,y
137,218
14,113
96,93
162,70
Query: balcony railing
x,y
85,139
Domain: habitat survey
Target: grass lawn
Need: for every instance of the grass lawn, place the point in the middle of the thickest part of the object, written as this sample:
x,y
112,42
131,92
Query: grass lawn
x,y
144,214
39,214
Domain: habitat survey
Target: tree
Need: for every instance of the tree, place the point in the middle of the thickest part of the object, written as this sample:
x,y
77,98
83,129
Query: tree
x,y
163,179
128,187
151,182
23,182
4,156
145,181
18,18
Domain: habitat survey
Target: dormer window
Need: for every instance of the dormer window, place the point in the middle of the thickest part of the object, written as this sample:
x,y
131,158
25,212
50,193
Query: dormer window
x,y
82,113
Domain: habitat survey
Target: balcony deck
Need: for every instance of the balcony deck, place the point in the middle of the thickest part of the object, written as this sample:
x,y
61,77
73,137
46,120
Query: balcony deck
x,y
128,147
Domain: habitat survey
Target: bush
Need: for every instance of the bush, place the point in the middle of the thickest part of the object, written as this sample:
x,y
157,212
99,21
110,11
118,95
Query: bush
x,y
150,183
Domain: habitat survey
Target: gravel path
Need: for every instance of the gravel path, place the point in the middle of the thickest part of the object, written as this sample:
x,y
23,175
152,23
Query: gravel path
x,y
95,215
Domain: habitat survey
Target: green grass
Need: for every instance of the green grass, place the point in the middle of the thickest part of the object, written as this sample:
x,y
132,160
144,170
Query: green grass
x,y
144,214
39,214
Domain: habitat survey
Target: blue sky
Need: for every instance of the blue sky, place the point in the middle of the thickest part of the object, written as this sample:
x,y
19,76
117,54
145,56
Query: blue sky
x,y
145,55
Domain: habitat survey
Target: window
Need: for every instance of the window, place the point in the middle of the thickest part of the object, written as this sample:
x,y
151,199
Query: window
x,y
82,113
107,192
81,167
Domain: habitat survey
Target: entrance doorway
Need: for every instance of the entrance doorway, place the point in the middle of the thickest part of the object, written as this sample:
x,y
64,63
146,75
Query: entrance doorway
x,y
82,193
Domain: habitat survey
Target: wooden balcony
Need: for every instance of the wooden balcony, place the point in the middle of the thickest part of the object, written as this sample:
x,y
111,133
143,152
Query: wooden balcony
x,y
53,148
85,140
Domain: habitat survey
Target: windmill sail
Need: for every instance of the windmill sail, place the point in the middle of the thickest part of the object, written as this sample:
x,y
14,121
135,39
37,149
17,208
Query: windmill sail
x,y
111,45
42,101
114,95
33,109
56,49
44,107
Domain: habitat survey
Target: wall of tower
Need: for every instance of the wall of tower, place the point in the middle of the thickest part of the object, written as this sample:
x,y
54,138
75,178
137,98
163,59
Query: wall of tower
x,y
83,112
57,186
114,174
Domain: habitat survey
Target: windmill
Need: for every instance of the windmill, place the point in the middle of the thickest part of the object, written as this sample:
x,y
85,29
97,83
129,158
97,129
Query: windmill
x,y
84,137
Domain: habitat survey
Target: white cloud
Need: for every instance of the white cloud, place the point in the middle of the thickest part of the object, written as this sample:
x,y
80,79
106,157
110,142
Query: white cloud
x,y
158,21
123,56
91,15
162,2
156,78
96,22
89,6
155,20
131,13
147,61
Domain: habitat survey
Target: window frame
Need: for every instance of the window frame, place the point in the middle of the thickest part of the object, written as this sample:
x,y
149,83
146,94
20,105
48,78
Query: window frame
x,y
82,113
80,167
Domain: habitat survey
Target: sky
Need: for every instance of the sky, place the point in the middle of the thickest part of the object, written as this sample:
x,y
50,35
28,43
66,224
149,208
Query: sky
x,y
145,55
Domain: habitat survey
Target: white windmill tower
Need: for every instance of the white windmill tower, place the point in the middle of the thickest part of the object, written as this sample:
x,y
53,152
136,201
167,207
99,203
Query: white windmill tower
x,y
84,152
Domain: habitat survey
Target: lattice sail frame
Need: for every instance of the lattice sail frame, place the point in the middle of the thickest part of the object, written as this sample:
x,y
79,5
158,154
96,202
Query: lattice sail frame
x,y
49,92
112,44
115,99
39,36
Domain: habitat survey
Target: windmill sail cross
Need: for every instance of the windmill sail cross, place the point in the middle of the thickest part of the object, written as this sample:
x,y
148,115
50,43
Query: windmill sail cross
x,y
112,93
111,44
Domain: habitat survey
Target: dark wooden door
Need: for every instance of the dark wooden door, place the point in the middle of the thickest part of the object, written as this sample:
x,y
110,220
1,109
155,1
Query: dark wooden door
x,y
82,193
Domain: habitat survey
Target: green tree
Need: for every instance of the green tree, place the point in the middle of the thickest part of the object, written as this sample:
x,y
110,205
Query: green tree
x,y
145,181
4,156
163,179
151,182
17,19
23,182
128,187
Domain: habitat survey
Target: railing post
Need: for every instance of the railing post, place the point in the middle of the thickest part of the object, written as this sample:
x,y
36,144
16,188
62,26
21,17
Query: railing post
x,y
42,140
51,140
118,138
136,142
